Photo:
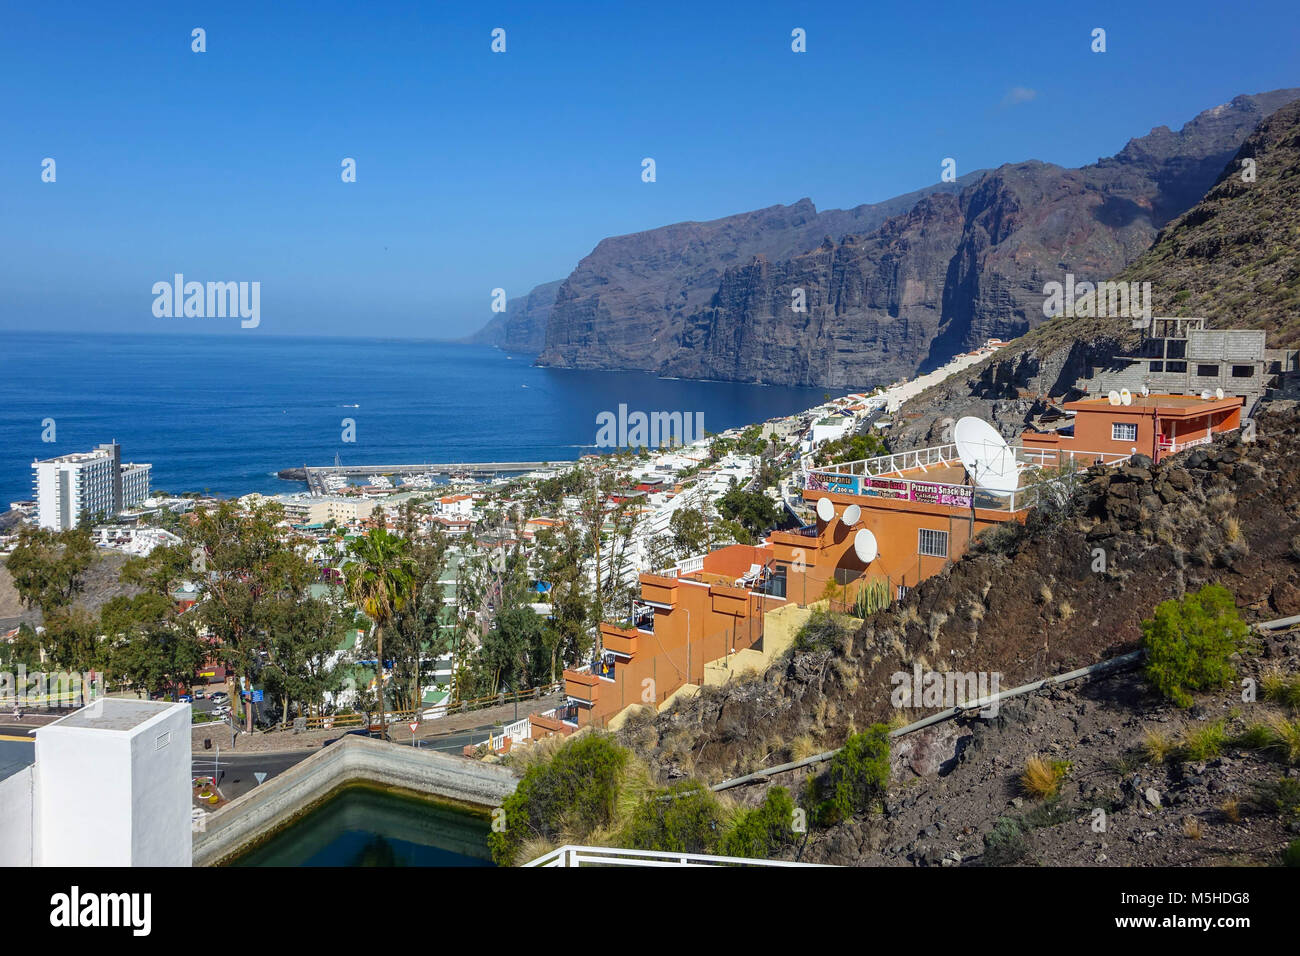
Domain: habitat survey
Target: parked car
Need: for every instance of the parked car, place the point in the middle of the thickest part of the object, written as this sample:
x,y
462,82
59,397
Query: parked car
x,y
199,695
220,697
185,699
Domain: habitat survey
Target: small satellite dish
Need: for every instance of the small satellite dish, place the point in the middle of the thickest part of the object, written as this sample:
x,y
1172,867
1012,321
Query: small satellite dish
x,y
1205,395
1125,396
865,547
988,459
1218,393
1113,397
851,515
825,509
1146,390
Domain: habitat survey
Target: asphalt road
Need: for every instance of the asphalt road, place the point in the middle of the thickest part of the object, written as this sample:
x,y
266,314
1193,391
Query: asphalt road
x,y
236,770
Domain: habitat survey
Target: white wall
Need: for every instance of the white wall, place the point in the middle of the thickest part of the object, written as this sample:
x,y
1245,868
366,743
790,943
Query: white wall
x,y
107,797
17,818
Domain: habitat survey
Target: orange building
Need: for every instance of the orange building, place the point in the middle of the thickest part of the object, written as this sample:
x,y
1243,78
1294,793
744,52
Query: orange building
x,y
1152,425
702,611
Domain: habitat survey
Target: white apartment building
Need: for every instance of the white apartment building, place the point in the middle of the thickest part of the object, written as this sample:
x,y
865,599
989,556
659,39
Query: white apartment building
x,y
87,483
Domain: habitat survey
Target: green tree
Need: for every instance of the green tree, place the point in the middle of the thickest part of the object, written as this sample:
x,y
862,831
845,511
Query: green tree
x,y
760,833
684,818
1190,642
752,509
856,779
151,646
48,567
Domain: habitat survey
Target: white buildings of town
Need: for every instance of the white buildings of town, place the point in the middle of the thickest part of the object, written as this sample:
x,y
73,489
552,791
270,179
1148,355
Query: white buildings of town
x,y
87,483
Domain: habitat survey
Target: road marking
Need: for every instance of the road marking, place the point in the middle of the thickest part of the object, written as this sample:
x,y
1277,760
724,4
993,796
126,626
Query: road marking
x,y
260,775
25,740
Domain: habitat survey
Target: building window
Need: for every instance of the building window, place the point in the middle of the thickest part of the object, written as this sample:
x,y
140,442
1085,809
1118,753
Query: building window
x,y
1243,371
1157,366
933,544
1123,431
1207,371
1176,367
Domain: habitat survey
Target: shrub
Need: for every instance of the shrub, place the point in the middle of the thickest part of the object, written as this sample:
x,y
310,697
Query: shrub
x,y
1281,689
823,631
684,818
761,832
1291,855
1282,796
1189,642
856,779
576,791
1206,743
1042,778
1005,844
1254,737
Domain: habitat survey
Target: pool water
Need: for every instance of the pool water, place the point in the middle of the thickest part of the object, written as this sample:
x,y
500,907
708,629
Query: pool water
x,y
368,826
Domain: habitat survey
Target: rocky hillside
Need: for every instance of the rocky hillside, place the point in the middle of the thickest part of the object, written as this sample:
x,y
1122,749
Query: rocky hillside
x,y
1031,603
939,273
1233,258
522,326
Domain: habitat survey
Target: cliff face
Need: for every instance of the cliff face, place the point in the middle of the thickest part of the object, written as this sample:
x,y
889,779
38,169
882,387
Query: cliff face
x,y
626,303
522,327
935,274
1233,258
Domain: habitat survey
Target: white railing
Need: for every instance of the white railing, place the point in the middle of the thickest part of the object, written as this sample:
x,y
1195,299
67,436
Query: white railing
x,y
868,478
570,855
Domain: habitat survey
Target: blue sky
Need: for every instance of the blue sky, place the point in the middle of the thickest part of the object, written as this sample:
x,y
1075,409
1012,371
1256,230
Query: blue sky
x,y
479,170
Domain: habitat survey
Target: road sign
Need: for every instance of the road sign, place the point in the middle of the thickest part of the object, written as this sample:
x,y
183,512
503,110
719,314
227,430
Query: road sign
x,y
414,725
257,696
260,775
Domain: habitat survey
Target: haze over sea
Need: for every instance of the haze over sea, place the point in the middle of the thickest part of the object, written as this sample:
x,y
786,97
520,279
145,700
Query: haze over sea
x,y
224,413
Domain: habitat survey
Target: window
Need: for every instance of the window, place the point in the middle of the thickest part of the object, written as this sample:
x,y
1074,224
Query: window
x,y
1243,371
1123,431
932,543
1207,371
1157,366
1175,366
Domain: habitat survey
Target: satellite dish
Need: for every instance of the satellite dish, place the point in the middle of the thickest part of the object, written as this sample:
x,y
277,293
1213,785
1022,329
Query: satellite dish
x,y
865,547
825,509
1125,396
851,515
1205,395
1218,393
1146,390
1113,397
989,461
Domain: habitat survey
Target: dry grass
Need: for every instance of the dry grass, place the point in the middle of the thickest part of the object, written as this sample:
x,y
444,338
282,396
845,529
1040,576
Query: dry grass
x,y
1192,828
1231,808
1286,735
1157,746
804,746
1065,610
1042,778
1231,529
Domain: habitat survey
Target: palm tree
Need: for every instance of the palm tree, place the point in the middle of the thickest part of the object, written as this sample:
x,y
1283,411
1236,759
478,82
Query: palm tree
x,y
379,581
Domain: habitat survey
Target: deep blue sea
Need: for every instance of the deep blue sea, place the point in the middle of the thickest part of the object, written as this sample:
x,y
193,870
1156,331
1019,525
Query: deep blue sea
x,y
224,413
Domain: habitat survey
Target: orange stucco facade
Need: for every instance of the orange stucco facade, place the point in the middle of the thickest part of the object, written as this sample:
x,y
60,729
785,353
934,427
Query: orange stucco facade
x,y
1153,425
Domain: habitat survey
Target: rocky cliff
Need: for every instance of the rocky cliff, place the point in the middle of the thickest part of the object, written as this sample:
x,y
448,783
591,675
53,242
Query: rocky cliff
x,y
1233,258
625,304
908,283
522,326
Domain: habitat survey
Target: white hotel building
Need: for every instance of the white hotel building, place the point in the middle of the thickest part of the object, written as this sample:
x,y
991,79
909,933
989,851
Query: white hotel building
x,y
92,483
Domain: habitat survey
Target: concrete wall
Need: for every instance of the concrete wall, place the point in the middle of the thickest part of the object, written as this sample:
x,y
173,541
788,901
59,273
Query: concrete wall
x,y
353,759
17,818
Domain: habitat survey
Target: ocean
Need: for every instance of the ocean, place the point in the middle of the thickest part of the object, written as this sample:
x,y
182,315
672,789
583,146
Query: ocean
x,y
223,414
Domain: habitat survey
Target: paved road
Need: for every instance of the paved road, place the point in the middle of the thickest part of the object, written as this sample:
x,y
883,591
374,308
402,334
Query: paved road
x,y
236,770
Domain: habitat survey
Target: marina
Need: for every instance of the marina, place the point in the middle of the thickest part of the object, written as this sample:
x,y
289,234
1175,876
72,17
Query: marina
x,y
323,479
